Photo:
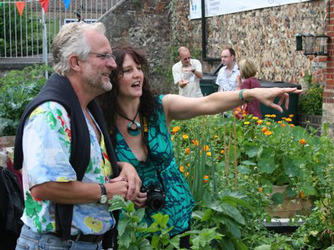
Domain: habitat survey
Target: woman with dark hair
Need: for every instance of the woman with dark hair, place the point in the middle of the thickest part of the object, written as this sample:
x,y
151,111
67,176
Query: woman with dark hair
x,y
139,123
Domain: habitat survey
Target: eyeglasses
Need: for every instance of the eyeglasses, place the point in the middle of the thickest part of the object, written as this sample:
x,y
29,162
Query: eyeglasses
x,y
104,56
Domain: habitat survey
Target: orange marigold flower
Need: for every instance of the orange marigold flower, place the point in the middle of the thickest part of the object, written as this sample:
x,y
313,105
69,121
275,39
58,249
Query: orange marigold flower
x,y
268,123
264,129
195,142
175,130
187,151
302,141
208,153
181,169
288,120
268,133
222,152
188,164
292,125
302,194
259,121
283,125
206,178
267,115
260,189
273,116
205,148
185,137
291,115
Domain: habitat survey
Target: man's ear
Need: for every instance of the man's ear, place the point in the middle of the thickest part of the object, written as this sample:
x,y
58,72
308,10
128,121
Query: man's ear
x,y
74,62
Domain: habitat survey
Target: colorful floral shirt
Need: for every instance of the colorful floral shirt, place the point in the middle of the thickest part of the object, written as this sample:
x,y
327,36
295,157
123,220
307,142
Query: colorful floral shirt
x,y
179,201
46,150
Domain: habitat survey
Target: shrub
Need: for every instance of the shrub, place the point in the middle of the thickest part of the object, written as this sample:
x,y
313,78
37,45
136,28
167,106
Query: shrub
x,y
310,103
17,89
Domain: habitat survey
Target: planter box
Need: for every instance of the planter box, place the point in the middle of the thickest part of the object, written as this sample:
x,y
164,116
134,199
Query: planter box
x,y
282,226
290,206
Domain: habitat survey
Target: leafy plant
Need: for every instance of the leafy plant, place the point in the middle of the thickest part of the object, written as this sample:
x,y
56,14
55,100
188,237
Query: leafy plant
x,y
310,102
17,89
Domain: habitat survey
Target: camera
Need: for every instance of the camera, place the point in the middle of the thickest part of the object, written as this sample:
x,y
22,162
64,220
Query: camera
x,y
155,197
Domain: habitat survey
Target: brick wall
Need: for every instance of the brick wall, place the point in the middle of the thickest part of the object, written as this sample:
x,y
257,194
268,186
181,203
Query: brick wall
x,y
328,99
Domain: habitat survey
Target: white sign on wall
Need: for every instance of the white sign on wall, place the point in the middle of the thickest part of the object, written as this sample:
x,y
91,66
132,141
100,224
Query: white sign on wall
x,y
222,7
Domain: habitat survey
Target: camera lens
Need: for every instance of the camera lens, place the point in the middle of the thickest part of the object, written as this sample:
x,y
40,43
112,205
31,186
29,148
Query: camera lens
x,y
155,198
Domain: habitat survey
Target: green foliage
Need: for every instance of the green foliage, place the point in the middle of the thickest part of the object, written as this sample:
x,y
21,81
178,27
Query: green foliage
x,y
133,233
220,155
310,102
17,89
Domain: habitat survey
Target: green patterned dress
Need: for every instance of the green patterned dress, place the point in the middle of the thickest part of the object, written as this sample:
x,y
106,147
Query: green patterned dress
x,y
179,201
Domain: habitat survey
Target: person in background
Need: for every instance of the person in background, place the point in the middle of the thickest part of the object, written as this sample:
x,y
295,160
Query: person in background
x,y
247,72
68,163
227,75
139,127
187,73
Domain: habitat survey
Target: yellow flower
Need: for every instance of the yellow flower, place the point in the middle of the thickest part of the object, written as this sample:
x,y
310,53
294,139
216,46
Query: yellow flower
x,y
283,118
222,152
288,120
268,133
292,125
259,121
205,148
273,116
216,136
268,123
94,224
187,174
260,189
291,115
246,123
267,115
280,122
181,169
206,178
188,164
175,130
283,125
187,151
255,118
185,137
302,141
208,153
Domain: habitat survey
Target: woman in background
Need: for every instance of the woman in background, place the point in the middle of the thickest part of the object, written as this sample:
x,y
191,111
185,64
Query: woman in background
x,y
247,72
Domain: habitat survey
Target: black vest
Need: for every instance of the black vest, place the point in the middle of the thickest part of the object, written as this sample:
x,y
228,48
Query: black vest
x,y
59,89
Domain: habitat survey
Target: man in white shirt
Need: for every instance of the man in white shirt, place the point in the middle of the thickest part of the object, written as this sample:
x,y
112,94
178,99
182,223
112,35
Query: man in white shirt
x,y
227,76
187,73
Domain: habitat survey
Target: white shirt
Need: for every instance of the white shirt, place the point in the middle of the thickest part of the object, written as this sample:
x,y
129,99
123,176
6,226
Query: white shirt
x,y
228,82
192,89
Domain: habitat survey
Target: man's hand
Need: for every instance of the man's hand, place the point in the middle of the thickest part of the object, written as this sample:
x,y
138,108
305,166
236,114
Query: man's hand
x,y
183,83
129,174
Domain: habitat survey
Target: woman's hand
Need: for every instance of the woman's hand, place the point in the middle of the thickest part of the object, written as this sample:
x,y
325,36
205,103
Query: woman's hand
x,y
268,95
140,200
129,174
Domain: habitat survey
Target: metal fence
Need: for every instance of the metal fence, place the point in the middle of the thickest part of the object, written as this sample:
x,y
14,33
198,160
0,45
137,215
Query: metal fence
x,y
31,34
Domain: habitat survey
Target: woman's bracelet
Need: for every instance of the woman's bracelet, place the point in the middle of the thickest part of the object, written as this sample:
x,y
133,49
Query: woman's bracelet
x,y
241,97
